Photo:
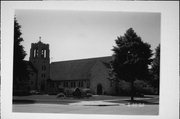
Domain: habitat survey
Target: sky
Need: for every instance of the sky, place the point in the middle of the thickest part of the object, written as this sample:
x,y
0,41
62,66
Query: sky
x,y
84,34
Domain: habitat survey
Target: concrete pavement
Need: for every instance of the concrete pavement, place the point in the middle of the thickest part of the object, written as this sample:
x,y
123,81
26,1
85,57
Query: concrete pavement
x,y
79,109
94,105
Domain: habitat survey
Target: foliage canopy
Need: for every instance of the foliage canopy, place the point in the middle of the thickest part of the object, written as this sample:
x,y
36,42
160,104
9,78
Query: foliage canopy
x,y
19,68
131,57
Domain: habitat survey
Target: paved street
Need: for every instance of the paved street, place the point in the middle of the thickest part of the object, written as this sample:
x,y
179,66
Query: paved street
x,y
74,109
96,105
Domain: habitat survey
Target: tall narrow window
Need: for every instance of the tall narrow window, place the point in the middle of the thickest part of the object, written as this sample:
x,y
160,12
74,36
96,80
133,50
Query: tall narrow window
x,y
74,83
65,84
34,53
44,53
81,83
71,84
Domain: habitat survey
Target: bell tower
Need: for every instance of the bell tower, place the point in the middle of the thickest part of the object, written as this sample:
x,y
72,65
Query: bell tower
x,y
39,57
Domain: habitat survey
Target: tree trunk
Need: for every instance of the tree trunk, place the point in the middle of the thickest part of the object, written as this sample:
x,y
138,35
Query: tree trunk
x,y
117,88
132,90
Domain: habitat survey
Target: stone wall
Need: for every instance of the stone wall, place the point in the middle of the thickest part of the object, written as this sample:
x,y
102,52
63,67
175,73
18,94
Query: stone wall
x,y
99,76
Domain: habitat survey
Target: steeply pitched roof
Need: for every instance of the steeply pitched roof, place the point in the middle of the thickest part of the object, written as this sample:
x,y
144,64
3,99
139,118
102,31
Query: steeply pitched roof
x,y
74,69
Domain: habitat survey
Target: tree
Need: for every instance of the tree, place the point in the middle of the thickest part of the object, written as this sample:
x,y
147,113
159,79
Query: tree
x,y
156,69
131,59
19,69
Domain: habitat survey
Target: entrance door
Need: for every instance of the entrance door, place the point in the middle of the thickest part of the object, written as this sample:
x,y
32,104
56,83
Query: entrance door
x,y
99,89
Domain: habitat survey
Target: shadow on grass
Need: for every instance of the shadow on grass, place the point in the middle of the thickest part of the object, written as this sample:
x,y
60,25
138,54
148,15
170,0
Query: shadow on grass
x,y
23,101
146,102
101,105
62,102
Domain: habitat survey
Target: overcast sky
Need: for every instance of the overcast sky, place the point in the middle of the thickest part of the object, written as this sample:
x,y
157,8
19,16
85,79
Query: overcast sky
x,y
84,34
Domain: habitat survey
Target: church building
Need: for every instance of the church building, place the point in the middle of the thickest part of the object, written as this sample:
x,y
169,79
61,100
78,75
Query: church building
x,y
88,73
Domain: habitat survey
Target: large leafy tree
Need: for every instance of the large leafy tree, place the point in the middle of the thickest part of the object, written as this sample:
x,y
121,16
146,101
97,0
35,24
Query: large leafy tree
x,y
19,69
156,69
131,59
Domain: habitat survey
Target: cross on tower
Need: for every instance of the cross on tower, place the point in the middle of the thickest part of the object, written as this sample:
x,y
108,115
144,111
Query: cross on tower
x,y
40,38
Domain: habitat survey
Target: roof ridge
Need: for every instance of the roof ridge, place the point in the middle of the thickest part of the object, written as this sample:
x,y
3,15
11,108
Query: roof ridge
x,y
82,59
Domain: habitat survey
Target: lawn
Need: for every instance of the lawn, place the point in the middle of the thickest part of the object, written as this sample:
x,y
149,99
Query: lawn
x,y
52,99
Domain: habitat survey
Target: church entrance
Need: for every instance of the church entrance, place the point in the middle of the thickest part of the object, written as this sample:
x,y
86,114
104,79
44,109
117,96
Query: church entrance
x,y
99,89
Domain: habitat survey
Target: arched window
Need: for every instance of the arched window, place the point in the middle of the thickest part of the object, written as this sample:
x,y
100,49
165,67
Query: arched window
x,y
34,53
44,53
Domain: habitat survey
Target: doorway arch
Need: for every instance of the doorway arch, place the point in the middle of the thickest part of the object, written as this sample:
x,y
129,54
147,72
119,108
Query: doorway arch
x,y
99,89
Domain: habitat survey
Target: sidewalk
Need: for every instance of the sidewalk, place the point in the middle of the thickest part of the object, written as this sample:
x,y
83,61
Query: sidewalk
x,y
95,103
96,100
